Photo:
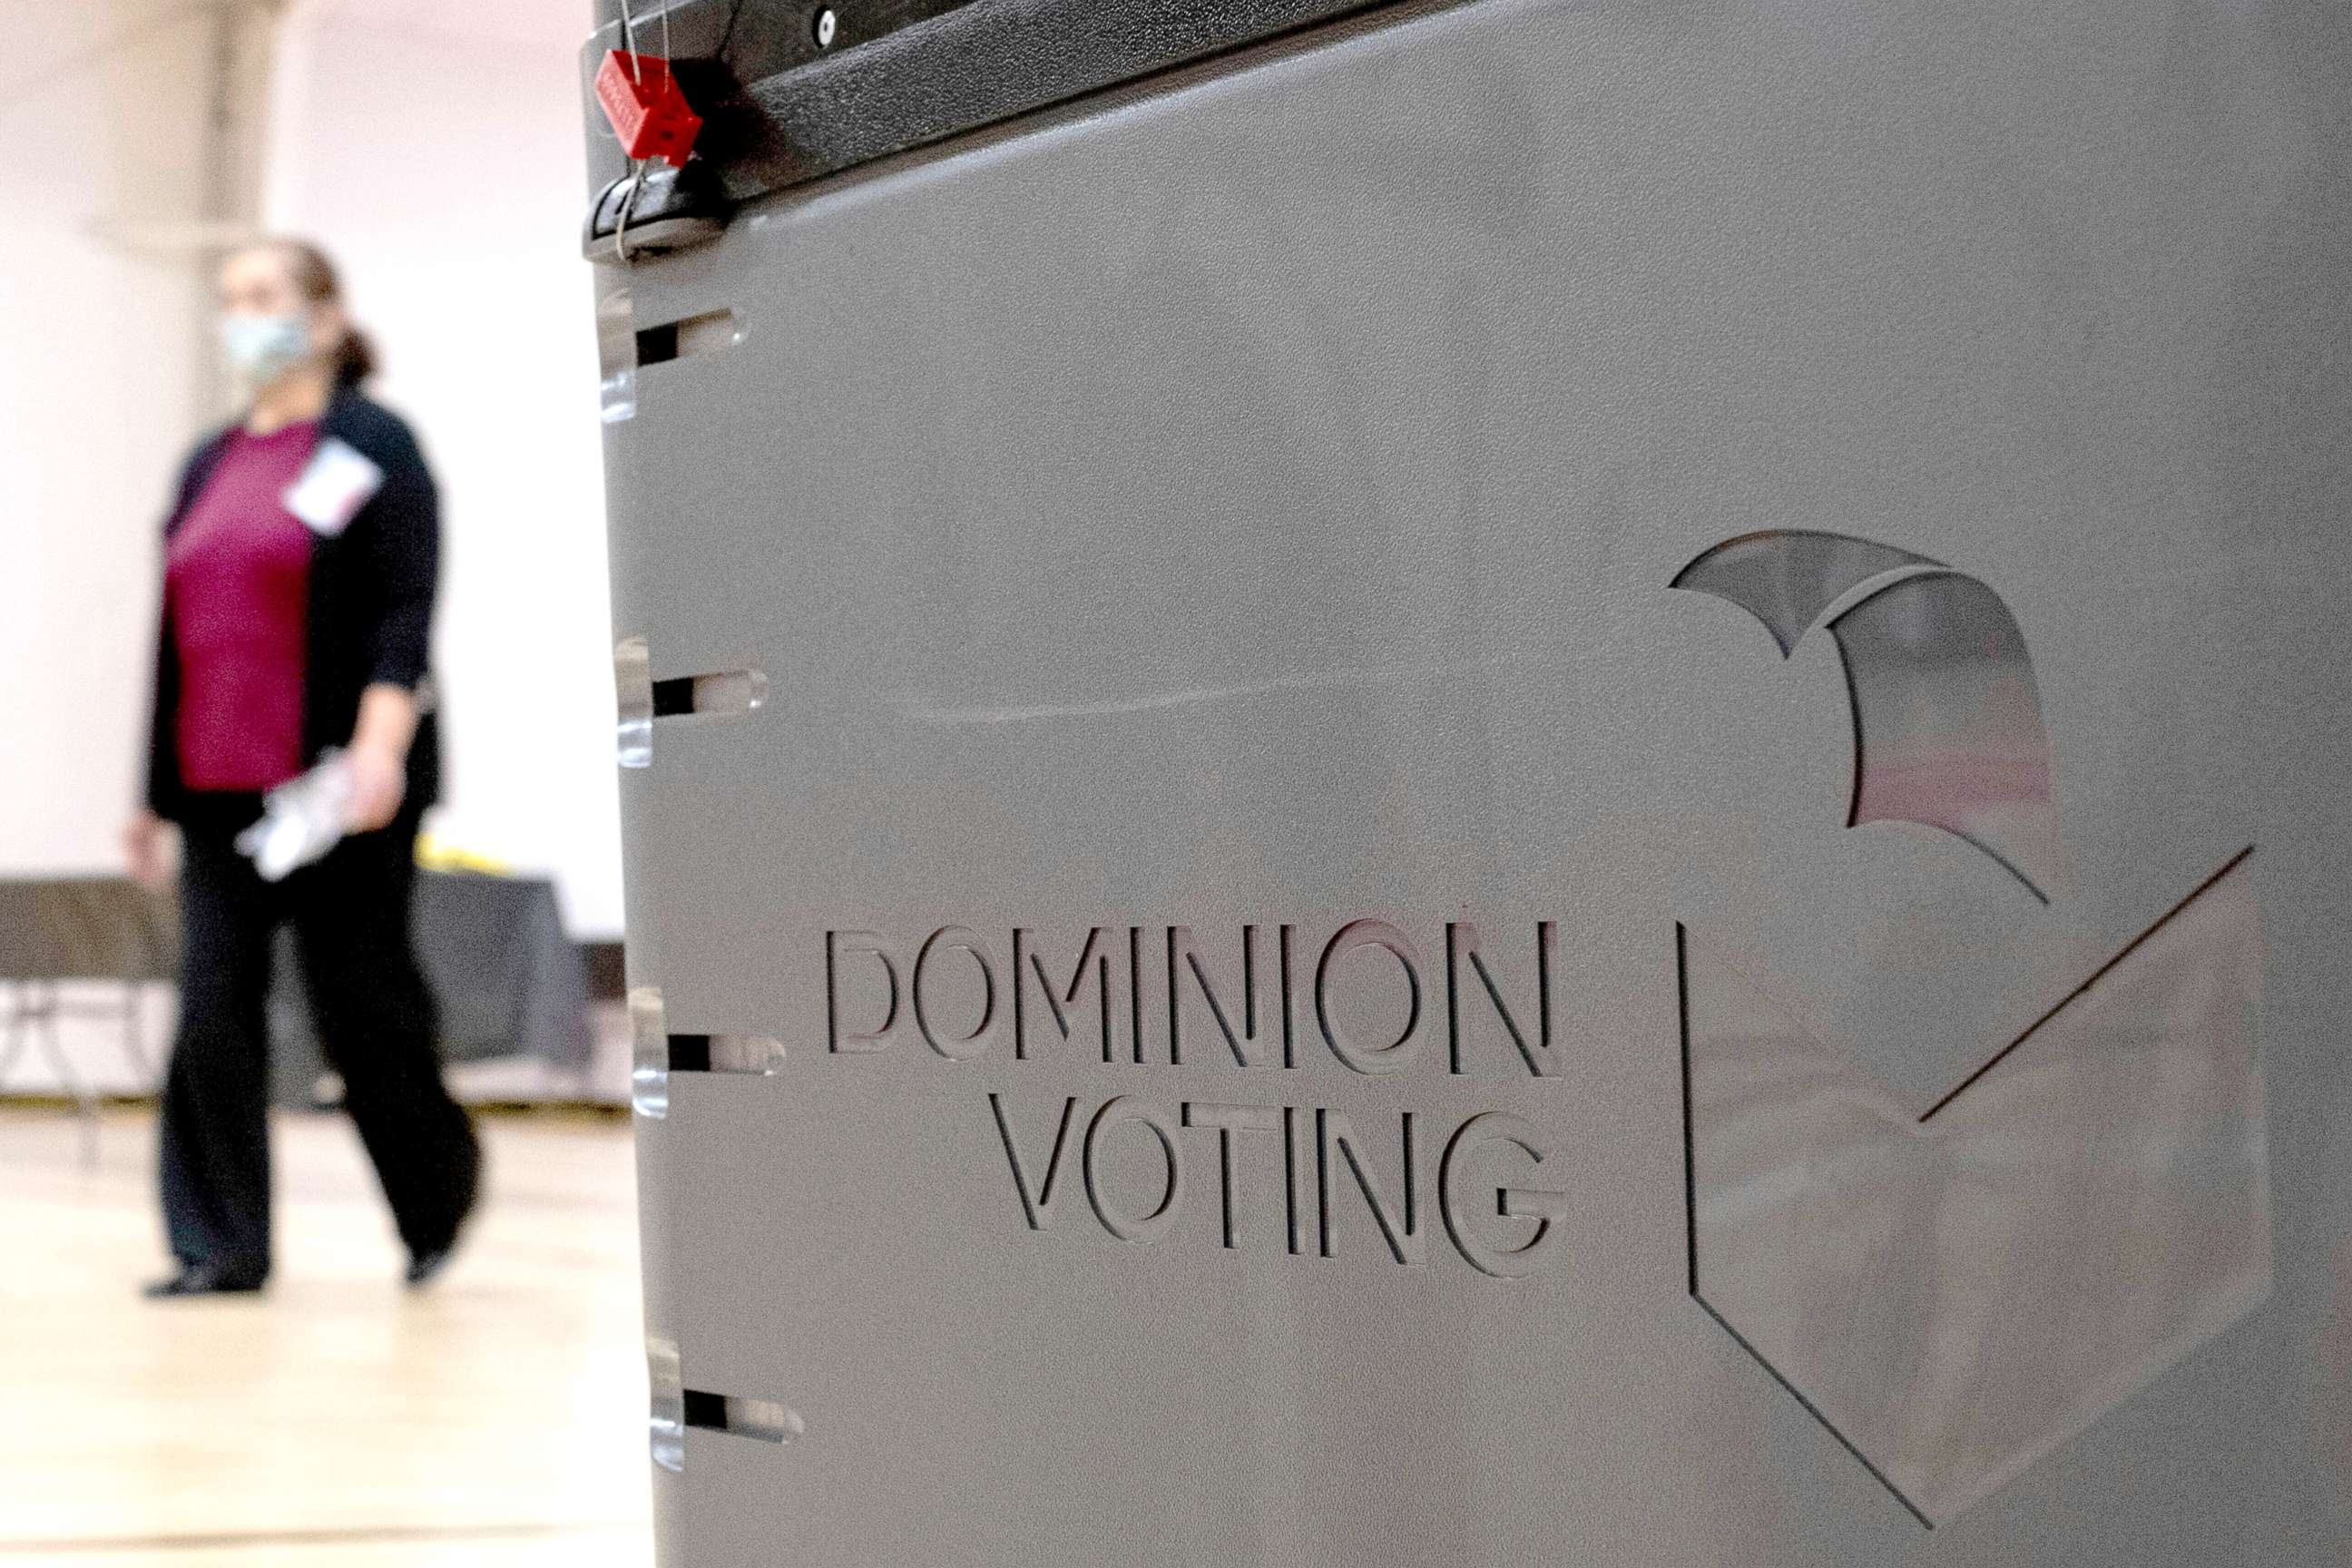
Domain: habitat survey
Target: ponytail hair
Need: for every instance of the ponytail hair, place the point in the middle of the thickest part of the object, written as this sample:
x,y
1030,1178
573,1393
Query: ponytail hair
x,y
317,282
355,358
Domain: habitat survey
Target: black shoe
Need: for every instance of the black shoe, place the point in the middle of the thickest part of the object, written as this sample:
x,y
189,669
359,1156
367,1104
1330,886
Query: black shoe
x,y
208,1279
422,1265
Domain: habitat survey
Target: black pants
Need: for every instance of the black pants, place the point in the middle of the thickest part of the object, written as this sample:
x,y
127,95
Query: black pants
x,y
376,1020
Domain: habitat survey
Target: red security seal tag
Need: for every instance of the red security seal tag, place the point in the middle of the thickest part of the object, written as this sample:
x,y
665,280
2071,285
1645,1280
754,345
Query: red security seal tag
x,y
649,113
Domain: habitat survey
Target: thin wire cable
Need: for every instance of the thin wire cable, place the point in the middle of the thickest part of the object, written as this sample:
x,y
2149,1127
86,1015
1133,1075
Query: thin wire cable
x,y
640,168
629,42
628,206
637,165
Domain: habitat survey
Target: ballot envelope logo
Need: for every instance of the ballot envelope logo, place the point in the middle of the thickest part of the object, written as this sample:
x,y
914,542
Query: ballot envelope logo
x,y
1954,1294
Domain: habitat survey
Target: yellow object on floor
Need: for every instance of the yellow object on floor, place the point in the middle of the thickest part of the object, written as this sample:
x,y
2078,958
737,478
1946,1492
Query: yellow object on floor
x,y
435,852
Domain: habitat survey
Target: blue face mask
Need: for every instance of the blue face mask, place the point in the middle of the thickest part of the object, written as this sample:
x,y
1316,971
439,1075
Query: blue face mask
x,y
260,349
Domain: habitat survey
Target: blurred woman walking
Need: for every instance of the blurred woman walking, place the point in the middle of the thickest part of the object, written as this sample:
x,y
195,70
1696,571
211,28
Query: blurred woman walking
x,y
299,568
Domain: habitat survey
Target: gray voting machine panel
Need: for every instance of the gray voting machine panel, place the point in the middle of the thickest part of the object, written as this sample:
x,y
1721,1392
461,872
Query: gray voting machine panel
x,y
1502,783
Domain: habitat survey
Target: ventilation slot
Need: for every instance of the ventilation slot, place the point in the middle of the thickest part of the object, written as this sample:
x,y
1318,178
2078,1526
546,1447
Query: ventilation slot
x,y
682,339
734,691
752,1054
764,1419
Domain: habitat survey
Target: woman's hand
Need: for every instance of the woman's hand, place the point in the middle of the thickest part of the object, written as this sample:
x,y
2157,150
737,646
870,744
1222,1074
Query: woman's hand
x,y
378,756
379,782
145,846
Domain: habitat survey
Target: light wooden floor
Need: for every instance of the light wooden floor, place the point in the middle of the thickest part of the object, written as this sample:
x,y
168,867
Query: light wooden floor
x,y
497,1419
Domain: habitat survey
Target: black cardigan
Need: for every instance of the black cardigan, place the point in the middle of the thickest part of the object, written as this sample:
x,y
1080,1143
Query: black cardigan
x,y
370,602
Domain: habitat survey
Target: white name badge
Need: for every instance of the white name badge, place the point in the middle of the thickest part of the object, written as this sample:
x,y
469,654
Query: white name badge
x,y
333,485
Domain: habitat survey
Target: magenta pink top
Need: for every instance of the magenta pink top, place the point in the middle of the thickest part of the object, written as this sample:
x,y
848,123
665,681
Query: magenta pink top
x,y
236,580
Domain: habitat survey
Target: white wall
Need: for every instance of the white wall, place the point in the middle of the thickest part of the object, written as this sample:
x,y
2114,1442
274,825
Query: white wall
x,y
433,146
99,392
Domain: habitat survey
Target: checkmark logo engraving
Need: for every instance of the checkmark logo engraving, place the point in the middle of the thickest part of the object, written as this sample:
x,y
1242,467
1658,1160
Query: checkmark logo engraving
x,y
1948,729
1955,1296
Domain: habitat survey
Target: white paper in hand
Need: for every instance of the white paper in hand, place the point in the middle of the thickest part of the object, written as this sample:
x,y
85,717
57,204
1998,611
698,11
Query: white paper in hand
x,y
301,819
334,485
